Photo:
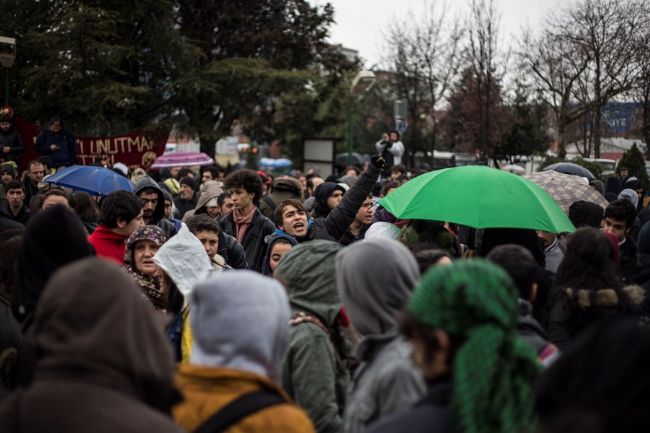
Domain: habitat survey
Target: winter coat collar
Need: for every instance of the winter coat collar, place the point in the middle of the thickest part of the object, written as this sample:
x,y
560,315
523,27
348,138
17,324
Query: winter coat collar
x,y
634,295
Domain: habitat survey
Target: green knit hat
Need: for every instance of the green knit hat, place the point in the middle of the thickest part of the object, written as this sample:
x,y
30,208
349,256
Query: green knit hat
x,y
493,371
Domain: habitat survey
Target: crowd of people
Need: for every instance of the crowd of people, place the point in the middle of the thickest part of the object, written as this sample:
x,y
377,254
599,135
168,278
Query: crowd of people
x,y
208,300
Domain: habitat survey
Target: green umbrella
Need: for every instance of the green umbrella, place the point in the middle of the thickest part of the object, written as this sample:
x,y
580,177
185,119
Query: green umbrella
x,y
479,197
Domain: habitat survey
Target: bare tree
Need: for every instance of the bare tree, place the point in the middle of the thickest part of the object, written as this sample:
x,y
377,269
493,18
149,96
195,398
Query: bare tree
x,y
555,74
606,32
483,55
424,53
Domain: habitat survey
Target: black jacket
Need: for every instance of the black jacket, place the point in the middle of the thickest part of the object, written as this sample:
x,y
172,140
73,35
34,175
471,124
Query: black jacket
x,y
183,205
65,155
158,217
572,311
11,139
253,241
231,251
629,269
430,415
22,217
336,224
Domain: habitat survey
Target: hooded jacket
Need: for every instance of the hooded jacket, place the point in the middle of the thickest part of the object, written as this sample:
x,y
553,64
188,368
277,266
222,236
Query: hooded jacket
x,y
104,364
158,216
314,371
375,278
253,241
270,241
211,189
239,319
53,238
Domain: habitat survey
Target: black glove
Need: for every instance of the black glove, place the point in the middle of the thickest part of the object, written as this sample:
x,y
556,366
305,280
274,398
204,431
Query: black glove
x,y
388,144
378,162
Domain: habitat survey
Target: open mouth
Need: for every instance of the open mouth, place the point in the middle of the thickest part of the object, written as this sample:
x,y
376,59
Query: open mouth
x,y
298,226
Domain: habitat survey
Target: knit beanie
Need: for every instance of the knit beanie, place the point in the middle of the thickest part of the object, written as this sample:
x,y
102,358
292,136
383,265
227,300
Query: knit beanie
x,y
493,372
189,181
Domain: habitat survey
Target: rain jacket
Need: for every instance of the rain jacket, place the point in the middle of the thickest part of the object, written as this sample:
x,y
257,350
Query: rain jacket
x,y
209,190
193,269
315,372
240,328
375,278
67,152
253,241
104,365
158,217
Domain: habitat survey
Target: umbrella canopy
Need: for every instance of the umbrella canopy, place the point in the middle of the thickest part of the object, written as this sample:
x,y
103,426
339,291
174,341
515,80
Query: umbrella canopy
x,y
182,159
91,179
572,169
479,197
566,189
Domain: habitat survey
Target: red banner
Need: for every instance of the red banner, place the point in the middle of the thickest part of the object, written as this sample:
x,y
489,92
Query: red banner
x,y
127,149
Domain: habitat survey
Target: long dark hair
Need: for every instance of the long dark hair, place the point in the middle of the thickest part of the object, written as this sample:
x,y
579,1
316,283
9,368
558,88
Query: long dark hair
x,y
85,207
588,262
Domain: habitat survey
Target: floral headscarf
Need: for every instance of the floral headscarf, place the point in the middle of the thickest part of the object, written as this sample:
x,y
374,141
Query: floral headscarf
x,y
149,284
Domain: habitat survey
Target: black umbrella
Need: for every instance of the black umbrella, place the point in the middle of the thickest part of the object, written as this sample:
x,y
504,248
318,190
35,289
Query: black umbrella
x,y
572,169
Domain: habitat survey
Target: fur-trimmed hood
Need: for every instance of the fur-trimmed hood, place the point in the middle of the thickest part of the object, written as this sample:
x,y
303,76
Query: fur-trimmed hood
x,y
633,295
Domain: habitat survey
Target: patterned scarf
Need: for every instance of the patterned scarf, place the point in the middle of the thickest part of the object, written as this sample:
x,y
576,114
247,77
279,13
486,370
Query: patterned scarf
x,y
243,222
150,286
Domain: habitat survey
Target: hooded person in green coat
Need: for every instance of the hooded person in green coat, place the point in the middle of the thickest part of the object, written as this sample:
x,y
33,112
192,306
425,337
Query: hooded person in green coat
x,y
314,370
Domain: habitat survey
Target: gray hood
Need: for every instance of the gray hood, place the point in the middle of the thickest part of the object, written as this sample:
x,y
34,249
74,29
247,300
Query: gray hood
x,y
375,279
240,320
148,183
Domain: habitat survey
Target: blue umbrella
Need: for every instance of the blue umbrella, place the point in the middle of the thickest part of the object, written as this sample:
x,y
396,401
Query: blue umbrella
x,y
91,179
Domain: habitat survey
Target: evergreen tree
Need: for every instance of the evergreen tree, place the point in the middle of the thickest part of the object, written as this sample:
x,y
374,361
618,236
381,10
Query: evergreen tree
x,y
633,160
527,135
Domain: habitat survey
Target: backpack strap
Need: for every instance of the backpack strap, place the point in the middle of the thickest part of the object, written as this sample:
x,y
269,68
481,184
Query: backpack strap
x,y
302,317
238,409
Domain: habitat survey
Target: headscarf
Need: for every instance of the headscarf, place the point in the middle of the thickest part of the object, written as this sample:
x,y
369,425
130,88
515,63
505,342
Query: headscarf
x,y
149,284
53,238
493,372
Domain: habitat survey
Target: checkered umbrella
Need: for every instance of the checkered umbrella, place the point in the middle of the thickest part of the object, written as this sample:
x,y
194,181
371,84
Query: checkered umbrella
x,y
567,189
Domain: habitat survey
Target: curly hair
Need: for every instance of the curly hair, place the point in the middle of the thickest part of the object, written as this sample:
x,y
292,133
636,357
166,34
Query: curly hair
x,y
246,179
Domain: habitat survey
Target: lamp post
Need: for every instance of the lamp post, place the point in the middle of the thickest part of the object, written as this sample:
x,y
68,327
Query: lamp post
x,y
361,83
7,59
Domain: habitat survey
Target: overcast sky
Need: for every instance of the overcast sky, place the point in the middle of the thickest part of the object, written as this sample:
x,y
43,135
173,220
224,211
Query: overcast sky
x,y
359,23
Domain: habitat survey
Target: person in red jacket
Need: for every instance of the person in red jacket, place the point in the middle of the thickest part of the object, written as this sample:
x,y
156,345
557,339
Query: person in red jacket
x,y
121,215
